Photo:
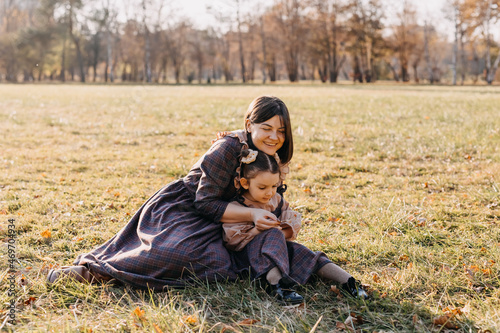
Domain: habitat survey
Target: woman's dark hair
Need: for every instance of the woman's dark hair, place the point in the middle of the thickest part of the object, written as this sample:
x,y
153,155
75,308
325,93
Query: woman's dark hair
x,y
264,108
263,162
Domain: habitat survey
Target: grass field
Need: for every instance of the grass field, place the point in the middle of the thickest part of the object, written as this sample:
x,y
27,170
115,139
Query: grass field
x,y
398,184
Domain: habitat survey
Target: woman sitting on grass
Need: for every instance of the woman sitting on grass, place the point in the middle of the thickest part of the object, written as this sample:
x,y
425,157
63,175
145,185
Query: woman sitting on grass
x,y
175,238
258,182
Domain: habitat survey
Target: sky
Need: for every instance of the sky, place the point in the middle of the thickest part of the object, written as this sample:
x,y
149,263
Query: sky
x,y
196,9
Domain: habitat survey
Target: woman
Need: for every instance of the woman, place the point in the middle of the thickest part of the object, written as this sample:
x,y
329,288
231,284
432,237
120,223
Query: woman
x,y
176,236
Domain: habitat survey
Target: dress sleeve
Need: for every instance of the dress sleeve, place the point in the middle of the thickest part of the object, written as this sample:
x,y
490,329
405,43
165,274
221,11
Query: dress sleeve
x,y
217,167
291,219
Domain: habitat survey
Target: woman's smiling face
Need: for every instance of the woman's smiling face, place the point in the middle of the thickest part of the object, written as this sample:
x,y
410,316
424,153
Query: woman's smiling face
x,y
269,136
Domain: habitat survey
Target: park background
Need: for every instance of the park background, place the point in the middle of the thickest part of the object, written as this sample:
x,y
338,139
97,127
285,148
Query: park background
x,y
161,41
398,181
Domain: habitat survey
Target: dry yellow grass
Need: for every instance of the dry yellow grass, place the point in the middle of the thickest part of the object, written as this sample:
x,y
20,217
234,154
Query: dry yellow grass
x,y
399,185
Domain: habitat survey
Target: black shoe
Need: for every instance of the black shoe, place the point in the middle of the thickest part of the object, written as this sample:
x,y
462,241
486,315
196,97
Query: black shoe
x,y
354,289
285,296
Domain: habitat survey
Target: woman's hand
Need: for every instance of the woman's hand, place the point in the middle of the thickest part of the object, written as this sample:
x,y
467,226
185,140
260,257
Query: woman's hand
x,y
264,219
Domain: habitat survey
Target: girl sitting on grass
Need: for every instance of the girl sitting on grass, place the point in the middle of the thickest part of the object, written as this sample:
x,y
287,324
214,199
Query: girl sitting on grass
x,y
258,182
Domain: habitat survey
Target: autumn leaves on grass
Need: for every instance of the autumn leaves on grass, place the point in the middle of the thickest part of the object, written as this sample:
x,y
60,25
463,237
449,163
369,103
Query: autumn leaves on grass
x,y
189,321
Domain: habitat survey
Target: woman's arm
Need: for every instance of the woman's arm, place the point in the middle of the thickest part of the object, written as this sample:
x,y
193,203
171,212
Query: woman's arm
x,y
217,168
262,219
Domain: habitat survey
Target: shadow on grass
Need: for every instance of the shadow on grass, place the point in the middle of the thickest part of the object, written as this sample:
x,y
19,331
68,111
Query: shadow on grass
x,y
239,306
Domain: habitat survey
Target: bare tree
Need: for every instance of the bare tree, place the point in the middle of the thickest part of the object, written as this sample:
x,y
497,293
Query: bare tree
x,y
73,6
427,30
289,17
404,37
365,26
240,41
479,15
328,37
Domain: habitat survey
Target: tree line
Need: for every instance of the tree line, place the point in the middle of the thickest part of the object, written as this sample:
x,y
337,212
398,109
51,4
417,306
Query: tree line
x,y
325,40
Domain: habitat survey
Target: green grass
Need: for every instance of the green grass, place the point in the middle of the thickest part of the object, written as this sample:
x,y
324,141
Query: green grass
x,y
398,184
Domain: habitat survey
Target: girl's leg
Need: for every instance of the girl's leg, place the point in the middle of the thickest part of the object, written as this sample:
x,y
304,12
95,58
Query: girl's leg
x,y
333,273
274,276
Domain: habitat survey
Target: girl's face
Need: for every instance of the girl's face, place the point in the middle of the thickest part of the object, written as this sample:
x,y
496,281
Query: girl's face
x,y
262,187
268,136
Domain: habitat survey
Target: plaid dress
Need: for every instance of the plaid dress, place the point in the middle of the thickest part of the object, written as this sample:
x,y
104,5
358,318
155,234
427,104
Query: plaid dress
x,y
175,238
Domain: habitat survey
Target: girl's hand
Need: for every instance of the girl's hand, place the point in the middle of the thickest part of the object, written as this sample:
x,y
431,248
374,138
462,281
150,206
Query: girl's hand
x,y
264,220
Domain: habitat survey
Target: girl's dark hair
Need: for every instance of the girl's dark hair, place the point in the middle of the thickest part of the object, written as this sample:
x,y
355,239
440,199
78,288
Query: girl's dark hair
x,y
263,162
264,108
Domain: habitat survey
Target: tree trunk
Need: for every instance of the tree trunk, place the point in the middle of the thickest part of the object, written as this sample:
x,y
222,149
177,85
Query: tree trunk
x,y
62,75
415,72
264,54
292,66
358,76
489,79
251,72
109,57
463,64
163,69
323,72
76,41
493,70
426,53
394,71
240,44
271,68
455,48
147,55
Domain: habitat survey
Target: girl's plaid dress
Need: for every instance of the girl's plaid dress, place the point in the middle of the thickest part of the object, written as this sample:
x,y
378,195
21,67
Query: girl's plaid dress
x,y
175,238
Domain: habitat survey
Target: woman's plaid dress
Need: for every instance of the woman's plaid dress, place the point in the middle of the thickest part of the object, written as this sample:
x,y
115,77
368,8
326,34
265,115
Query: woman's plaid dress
x,y
176,236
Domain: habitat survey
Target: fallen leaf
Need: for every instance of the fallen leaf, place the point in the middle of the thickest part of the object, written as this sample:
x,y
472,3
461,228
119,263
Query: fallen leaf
x,y
375,277
46,234
342,326
138,313
445,320
157,329
453,311
247,322
356,319
191,319
30,300
336,290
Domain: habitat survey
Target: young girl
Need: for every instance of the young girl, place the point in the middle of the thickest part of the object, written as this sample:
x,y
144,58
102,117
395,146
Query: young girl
x,y
258,183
